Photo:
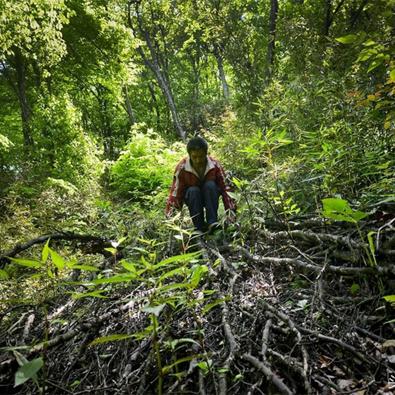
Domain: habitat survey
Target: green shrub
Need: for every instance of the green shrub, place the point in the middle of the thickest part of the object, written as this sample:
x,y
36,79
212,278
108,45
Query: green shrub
x,y
145,168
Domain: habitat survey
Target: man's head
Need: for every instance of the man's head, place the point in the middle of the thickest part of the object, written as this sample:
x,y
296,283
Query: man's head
x,y
197,148
197,143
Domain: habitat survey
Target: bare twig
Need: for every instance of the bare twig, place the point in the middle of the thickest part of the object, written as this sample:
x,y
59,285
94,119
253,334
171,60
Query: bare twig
x,y
270,376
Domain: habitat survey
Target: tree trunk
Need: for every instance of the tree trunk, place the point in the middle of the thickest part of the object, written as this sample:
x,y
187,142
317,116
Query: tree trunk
x,y
23,100
329,15
153,64
128,106
196,93
272,38
221,73
166,90
357,13
106,128
155,104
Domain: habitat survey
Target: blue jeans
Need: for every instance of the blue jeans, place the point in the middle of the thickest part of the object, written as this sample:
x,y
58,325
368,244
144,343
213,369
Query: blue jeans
x,y
198,198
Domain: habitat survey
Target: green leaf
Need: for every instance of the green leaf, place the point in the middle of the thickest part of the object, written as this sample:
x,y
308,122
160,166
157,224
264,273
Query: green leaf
x,y
121,240
130,267
45,252
172,287
371,246
205,366
348,39
167,368
144,333
110,338
392,75
339,210
179,270
354,289
115,279
27,262
93,294
178,259
389,298
112,250
57,260
197,275
174,343
376,63
28,371
3,275
210,306
20,358
156,310
87,268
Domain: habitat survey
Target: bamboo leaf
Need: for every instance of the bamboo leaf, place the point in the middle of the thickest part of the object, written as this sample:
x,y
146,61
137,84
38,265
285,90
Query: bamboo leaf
x,y
45,252
130,267
167,368
371,246
348,39
389,298
3,275
93,294
88,268
115,279
26,262
210,306
174,272
110,338
172,287
28,371
57,260
197,275
156,310
178,258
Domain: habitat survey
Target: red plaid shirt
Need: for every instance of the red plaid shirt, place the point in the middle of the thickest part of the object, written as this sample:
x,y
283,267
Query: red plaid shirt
x,y
185,176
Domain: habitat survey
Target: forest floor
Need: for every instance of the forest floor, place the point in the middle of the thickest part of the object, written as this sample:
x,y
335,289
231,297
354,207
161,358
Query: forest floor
x,y
292,309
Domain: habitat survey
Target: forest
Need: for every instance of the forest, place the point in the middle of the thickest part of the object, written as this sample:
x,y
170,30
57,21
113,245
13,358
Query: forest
x,y
101,292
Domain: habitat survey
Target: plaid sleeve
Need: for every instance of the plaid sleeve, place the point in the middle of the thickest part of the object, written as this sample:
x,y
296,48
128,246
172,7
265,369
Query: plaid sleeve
x,y
229,203
177,190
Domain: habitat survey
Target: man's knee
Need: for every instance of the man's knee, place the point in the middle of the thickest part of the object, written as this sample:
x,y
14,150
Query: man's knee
x,y
193,191
210,186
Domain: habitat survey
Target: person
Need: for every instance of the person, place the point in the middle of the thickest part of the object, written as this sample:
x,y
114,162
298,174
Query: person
x,y
198,181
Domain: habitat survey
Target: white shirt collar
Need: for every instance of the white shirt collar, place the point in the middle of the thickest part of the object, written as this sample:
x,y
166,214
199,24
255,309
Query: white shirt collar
x,y
188,166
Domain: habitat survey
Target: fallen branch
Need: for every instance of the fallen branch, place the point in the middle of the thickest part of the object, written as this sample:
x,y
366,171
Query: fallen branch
x,y
338,342
101,243
82,327
270,376
342,270
283,317
312,237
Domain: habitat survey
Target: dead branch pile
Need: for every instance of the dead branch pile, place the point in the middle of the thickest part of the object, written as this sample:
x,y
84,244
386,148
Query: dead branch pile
x,y
295,311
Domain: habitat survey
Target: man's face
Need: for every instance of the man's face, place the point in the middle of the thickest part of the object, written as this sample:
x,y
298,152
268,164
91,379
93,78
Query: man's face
x,y
198,157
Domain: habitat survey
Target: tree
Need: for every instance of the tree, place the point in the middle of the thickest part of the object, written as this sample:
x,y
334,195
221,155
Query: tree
x,y
146,24
272,38
30,43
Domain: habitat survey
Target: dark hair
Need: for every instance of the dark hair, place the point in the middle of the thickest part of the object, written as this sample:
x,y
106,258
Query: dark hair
x,y
197,143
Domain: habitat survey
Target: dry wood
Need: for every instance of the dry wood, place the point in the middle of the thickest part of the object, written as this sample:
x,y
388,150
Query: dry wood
x,y
270,376
342,270
100,241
